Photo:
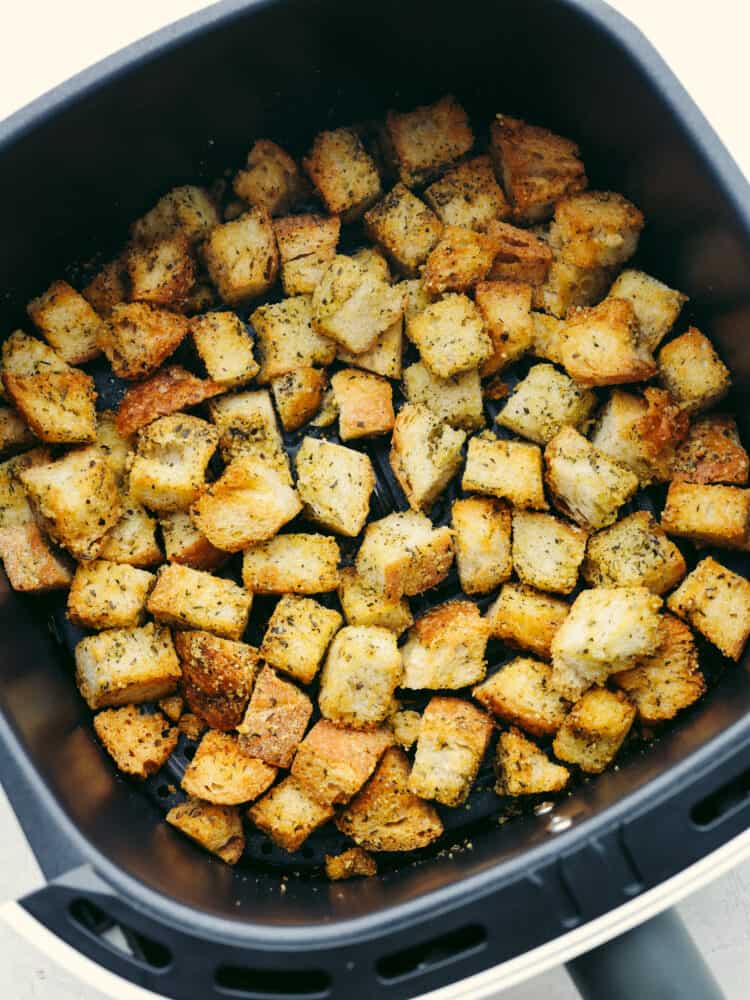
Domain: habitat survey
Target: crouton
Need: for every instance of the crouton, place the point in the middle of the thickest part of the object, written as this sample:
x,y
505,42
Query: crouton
x,y
453,738
445,648
416,298
270,179
594,730
373,262
360,674
334,761
456,400
523,769
544,402
221,773
354,307
450,336
606,631
275,720
297,636
15,511
716,602
384,357
108,287
524,618
287,339
192,726
404,227
126,666
292,564
247,428
15,434
67,322
343,174
217,676
425,455
365,404
138,336
31,565
329,411
506,309
536,167
307,245
423,142
365,606
510,470
172,706
585,485
596,228
139,744
601,345
107,595
298,396
162,273
521,693
385,815
335,484
548,337
218,829
225,347
183,543
460,260
712,453
55,400
403,554
187,209
288,814
169,468
249,503
519,255
567,287
133,539
547,552
190,598
404,724
116,447
656,306
468,196
169,390
241,256
692,371
350,864
634,552
481,529
708,515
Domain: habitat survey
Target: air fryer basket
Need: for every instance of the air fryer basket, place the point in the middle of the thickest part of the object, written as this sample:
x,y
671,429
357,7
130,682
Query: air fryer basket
x,y
181,106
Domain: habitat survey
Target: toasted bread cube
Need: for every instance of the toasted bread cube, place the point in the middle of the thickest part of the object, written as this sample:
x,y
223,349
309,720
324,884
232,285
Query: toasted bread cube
x,y
523,769
169,468
510,470
288,814
524,618
221,773
536,166
468,196
656,305
298,396
192,726
172,706
107,595
585,485
365,404
292,564
329,411
519,255
138,336
712,453
335,484
404,227
425,455
275,720
460,260
55,400
139,744
403,554
547,552
297,636
373,262
453,738
242,257
287,339
15,434
190,598
249,503
601,345
445,648
171,389
350,864
548,337
186,209
344,175
567,287
126,666
217,676
75,498
307,245
15,510
218,829
247,428
692,371
596,228
334,761
364,606
117,447
384,357
31,565
481,529
595,729
456,400
521,693
67,322
544,402
634,552
162,273
133,539
708,515
361,672
108,287
353,306
716,602
416,298
423,142
404,724
183,543
271,178
225,347
607,630
506,309
385,815
450,336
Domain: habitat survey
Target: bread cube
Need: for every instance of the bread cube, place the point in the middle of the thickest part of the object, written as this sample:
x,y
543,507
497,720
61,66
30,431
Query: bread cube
x,y
225,347
468,196
601,345
288,814
425,455
55,400
107,595
567,287
126,666
187,209
67,322
221,773
506,309
456,400
108,287
334,761
656,306
172,706
460,260
139,744
335,484
445,648
190,598
365,404
481,529
271,178
275,720
692,371
544,402
716,602
138,336
217,676
606,631
298,396
596,228
117,447
30,564
353,306
547,551
364,606
585,485
423,142
133,539
519,255
708,515
171,389
452,741
450,336
416,298
548,337
192,726
384,357
297,636
712,453
385,815
521,693
218,829
523,769
307,245
594,730
524,618
183,543
169,468
344,175
292,564
15,434
287,339
510,470
536,167
634,552
360,674
404,227
162,273
247,428
350,864
15,510
404,724
241,256
403,554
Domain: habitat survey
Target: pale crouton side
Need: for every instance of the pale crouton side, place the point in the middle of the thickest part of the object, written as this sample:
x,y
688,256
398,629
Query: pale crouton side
x,y
138,743
468,195
190,598
459,260
334,761
510,470
116,447
169,390
169,468
133,539
596,228
288,814
270,178
364,606
403,554
594,730
335,484
708,514
519,255
716,602
225,347
247,427
221,773
138,336
354,306
547,551
298,396
521,693
163,273
404,724
183,543
601,345
544,402
385,357
425,455
522,768
445,648
450,336
108,595
218,829
307,245
481,529
172,706
292,564
656,305
361,671
297,636
456,400
365,404
634,552
567,287
416,298
548,337
217,676
241,256
693,372
712,453
423,142
404,227
15,510
31,564
343,173
287,339
275,720
524,618
15,434
67,322
187,209
506,309
351,863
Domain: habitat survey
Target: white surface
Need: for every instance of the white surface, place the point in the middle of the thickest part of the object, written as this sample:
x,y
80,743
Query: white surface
x,y
43,44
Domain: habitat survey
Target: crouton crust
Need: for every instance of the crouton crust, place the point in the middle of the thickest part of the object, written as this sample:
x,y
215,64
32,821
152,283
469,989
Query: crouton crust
x,y
423,142
460,259
350,864
524,618
108,595
601,345
365,404
172,389
402,554
15,434
225,347
595,729
162,273
169,467
221,773
242,257
307,245
523,769
344,174
292,564
67,322
521,693
445,648
716,602
450,336
217,676
31,565
656,305
297,636
333,762
364,606
633,552
298,396
596,228
190,598
139,744
287,339
519,255
275,720
691,370
404,227
361,671
271,178
218,829
288,814
456,400
138,336
712,453
509,470
544,402
708,514
506,309
469,196
183,543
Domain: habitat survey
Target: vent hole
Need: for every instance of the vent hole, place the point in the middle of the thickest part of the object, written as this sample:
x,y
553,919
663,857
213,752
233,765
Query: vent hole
x,y
432,954
118,937
258,984
723,802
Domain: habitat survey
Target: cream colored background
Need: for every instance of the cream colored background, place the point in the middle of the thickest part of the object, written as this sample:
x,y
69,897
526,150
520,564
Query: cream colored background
x,y
43,42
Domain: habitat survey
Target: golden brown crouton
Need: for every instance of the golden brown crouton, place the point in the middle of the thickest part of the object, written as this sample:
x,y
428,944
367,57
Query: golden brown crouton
x,y
460,260
364,606
524,618
287,339
523,769
298,396
107,595
481,527
169,468
365,404
547,551
138,743
425,455
343,174
67,322
708,515
594,730
456,400
297,636
242,257
247,427
221,773
596,229
137,337
692,371
404,724
133,539
116,447
519,255
271,178
450,336
548,337
183,543
15,510
217,676
716,602
601,345
15,434
192,726
172,706
307,245
333,762
218,829
187,209
506,309
292,564
288,814
350,864
107,287
521,693
567,287
404,227
634,552
385,357
445,648
712,453
423,142
544,402
361,672
510,470
469,195
189,598
225,347
31,565
275,720
656,305
335,484
169,390
163,272
402,554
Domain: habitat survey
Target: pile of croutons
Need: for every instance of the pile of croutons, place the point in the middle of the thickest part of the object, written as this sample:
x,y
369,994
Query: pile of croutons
x,y
468,262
